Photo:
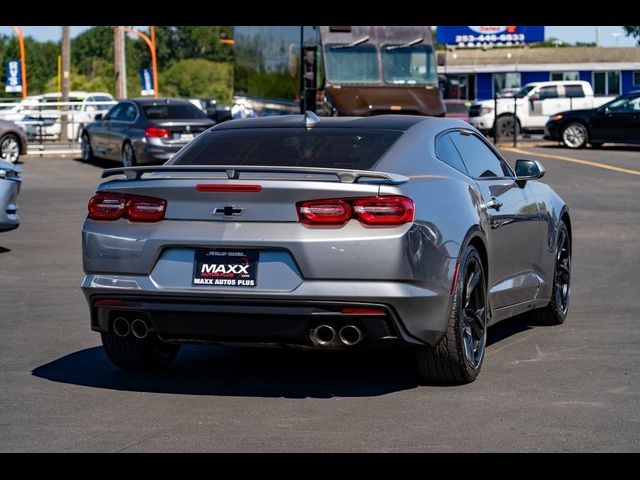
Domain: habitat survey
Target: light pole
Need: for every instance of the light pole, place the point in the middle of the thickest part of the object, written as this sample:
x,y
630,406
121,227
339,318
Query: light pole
x,y
151,42
23,60
616,36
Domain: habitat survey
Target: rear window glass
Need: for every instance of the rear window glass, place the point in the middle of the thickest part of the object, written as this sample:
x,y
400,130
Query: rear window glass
x,y
322,147
162,112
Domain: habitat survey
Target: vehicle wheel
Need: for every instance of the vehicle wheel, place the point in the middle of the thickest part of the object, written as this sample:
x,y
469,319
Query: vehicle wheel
x,y
131,353
504,127
128,155
575,135
10,148
85,147
458,357
556,312
597,144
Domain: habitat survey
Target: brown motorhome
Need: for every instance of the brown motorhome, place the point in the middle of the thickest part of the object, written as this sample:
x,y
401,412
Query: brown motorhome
x,y
340,70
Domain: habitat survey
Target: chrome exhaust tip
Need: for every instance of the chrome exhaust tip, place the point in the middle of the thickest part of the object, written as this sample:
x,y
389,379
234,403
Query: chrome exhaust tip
x,y
324,335
121,327
350,335
139,328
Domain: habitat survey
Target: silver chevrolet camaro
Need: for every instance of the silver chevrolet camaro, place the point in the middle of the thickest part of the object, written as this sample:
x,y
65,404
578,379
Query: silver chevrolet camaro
x,y
326,233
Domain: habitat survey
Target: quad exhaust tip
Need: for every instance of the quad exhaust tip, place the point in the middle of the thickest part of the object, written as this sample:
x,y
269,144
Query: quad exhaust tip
x,y
121,327
324,335
350,335
139,328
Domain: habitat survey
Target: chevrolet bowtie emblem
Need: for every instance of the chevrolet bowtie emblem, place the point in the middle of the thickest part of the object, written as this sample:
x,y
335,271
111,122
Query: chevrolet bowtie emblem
x,y
229,211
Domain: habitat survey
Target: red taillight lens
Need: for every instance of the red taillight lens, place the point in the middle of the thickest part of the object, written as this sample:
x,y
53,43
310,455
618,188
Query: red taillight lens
x,y
384,210
106,206
156,132
145,209
325,212
112,206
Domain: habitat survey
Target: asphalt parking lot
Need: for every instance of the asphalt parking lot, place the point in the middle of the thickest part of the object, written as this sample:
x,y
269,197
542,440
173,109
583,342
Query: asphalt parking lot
x,y
570,388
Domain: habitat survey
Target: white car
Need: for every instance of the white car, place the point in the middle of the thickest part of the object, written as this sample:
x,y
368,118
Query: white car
x,y
534,104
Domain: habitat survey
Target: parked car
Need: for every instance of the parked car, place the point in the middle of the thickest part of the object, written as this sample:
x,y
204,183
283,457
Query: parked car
x,y
535,102
43,122
617,121
10,181
326,233
13,141
143,130
456,108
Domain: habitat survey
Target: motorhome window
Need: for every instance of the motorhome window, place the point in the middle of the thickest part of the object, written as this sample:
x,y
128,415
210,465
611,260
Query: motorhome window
x,y
409,65
357,64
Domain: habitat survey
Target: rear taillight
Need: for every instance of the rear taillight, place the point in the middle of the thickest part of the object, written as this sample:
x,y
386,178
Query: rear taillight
x,y
156,132
112,206
326,212
383,211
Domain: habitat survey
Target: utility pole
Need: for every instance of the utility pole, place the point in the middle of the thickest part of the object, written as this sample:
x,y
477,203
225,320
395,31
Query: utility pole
x,y
597,36
66,78
119,63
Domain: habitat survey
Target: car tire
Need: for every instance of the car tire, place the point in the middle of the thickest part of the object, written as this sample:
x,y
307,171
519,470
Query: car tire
x,y
504,127
131,353
10,148
574,135
128,155
85,147
556,311
457,358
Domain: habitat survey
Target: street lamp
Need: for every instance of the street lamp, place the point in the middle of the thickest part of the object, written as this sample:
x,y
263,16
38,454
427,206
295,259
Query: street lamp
x,y
616,36
151,42
23,60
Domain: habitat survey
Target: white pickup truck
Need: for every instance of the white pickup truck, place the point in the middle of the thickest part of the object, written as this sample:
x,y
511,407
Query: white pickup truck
x,y
534,104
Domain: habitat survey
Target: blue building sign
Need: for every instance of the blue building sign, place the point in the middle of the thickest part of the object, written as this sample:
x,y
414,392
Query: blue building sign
x,y
146,81
481,36
14,76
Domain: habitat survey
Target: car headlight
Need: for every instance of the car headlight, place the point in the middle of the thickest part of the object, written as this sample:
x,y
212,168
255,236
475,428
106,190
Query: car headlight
x,y
486,110
555,118
8,173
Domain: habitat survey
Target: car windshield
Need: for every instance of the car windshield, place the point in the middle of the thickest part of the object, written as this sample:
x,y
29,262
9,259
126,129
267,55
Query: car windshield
x,y
358,64
409,65
321,147
174,111
524,91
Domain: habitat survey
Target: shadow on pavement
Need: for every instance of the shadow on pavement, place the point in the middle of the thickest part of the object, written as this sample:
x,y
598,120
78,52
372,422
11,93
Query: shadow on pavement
x,y
100,163
259,372
4,250
607,147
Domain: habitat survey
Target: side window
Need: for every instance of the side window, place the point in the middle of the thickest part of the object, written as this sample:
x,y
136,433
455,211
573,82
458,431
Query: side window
x,y
113,113
549,92
446,151
479,159
573,91
127,113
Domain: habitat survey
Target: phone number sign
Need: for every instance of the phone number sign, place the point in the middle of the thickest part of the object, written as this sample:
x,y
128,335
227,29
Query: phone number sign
x,y
478,36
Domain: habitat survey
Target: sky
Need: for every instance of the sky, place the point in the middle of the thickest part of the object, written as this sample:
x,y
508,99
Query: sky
x,y
567,34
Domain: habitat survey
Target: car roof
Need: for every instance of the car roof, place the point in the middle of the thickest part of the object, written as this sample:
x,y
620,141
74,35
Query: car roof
x,y
376,122
159,101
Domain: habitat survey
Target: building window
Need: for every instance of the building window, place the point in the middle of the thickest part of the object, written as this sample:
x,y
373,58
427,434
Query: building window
x,y
606,83
460,87
503,81
565,76
636,79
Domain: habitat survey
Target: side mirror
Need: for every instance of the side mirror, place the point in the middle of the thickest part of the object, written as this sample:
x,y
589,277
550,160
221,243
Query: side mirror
x,y
528,170
535,97
98,116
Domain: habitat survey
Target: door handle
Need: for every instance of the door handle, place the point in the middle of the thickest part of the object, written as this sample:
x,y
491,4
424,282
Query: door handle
x,y
494,203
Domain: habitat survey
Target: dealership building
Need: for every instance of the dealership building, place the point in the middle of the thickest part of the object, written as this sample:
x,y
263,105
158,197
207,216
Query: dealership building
x,y
477,74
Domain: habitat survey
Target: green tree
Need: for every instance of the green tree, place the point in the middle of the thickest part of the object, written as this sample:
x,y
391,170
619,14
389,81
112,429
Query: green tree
x,y
632,32
197,77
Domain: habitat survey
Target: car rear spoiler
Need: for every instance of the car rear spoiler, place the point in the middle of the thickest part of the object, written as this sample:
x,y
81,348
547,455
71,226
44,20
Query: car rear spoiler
x,y
233,172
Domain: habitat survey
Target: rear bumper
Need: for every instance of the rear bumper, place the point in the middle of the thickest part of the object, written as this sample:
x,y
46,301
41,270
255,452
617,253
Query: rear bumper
x,y
155,152
413,314
9,219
